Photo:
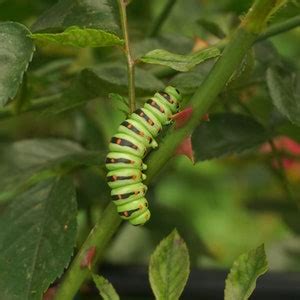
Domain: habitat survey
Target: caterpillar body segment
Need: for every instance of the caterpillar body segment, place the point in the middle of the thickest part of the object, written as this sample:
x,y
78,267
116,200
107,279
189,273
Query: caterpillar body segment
x,y
122,177
138,131
129,146
118,160
121,142
128,193
147,118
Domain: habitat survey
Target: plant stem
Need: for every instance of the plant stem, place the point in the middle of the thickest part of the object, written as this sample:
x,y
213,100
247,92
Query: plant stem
x,y
206,94
129,57
213,84
280,28
270,32
99,237
158,23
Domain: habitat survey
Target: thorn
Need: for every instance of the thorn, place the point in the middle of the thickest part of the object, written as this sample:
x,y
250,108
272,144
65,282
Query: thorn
x,y
182,117
88,258
186,148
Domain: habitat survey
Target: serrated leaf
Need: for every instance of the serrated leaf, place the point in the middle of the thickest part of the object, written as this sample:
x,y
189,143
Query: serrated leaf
x,y
169,267
283,95
112,78
105,288
100,14
26,162
241,280
38,232
80,37
227,133
178,62
16,50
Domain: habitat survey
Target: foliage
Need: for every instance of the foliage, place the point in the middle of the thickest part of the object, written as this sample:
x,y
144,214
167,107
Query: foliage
x,y
64,89
241,280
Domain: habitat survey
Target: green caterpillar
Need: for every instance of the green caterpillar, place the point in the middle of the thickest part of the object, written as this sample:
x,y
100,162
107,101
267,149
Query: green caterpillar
x,y
129,146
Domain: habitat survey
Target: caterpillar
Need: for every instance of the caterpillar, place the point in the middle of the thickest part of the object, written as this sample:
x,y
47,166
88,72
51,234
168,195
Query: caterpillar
x,y
135,136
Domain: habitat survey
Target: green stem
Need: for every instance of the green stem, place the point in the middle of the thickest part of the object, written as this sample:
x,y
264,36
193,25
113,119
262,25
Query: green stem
x,y
99,237
273,30
158,23
280,28
213,84
129,57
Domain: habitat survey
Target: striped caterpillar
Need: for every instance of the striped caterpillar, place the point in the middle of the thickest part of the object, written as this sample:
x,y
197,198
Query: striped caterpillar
x,y
127,149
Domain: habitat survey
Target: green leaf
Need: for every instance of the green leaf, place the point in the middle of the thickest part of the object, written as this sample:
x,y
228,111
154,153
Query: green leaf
x,y
101,14
38,232
26,162
212,27
283,95
188,82
105,288
241,281
80,37
227,133
16,50
169,267
112,78
182,63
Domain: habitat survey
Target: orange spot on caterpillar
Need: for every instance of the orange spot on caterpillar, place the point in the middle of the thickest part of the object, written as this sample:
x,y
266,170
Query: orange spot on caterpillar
x,y
114,178
119,141
125,213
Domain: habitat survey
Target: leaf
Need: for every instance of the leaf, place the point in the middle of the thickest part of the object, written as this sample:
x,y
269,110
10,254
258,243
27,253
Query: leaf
x,y
16,51
283,96
105,288
169,267
188,82
227,133
241,280
101,14
80,37
112,78
212,27
26,162
182,63
38,232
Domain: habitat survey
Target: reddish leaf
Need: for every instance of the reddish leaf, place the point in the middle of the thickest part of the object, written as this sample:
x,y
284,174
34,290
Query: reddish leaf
x,y
186,148
88,258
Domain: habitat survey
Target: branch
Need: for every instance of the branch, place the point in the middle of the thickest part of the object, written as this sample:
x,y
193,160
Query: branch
x,y
246,34
99,237
130,60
